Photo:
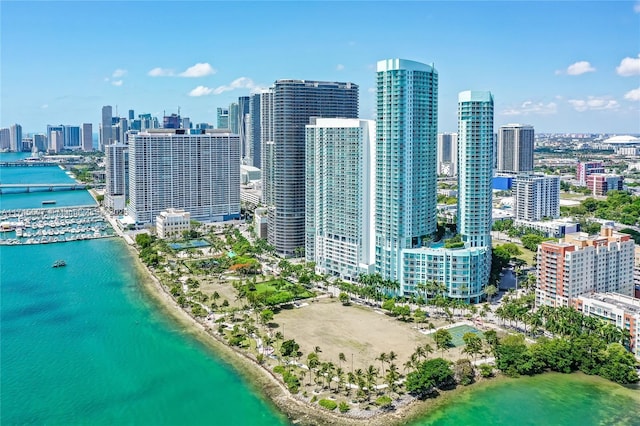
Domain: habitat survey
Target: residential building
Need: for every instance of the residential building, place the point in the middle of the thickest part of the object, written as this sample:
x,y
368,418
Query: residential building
x,y
600,183
267,147
40,142
116,189
253,130
636,267
294,102
171,223
536,197
515,148
56,141
87,137
234,120
260,221
447,154
242,118
621,310
406,175
106,137
199,173
71,136
584,169
580,264
340,191
15,143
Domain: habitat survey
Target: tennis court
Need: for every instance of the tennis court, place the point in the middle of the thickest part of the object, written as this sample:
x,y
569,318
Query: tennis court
x,y
460,330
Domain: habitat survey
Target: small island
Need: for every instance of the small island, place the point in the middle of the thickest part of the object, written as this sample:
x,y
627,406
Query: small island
x,y
351,353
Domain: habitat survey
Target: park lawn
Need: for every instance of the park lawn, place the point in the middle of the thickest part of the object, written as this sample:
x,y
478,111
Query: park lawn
x,y
527,255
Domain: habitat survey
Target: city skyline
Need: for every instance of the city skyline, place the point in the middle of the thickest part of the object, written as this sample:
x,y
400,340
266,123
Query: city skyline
x,y
558,66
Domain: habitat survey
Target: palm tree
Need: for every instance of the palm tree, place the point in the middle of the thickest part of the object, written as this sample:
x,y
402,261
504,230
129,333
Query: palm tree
x,y
371,377
427,350
382,358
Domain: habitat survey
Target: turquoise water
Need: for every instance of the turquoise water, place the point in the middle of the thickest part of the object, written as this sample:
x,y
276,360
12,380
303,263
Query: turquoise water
x,y
548,399
83,344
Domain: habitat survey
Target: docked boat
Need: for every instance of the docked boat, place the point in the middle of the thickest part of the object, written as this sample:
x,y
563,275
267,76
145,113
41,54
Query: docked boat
x,y
45,202
59,264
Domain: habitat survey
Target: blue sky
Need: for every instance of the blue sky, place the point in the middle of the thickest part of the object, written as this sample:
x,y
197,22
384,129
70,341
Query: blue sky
x,y
561,66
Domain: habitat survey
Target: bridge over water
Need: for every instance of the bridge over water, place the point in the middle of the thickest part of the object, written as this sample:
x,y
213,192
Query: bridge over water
x,y
28,164
41,187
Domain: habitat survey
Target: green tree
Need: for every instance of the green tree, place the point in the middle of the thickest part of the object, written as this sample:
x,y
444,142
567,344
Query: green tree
x,y
619,365
443,339
473,344
431,374
290,348
511,355
490,290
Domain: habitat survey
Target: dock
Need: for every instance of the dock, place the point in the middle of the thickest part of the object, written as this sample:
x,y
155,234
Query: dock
x,y
55,225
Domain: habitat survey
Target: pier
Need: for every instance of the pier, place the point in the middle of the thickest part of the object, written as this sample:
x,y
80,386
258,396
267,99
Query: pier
x,y
54,225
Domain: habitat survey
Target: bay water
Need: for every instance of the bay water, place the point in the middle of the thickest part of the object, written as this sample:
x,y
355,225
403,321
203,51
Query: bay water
x,y
85,344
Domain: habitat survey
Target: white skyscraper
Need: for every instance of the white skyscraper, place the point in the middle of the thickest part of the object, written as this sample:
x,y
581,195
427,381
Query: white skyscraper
x,y
340,191
199,173
116,177
16,138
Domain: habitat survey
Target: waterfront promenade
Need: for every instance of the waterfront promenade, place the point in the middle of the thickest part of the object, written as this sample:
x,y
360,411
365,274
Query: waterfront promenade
x,y
53,225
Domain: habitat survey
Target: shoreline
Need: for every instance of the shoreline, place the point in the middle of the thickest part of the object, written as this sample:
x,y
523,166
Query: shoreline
x,y
271,390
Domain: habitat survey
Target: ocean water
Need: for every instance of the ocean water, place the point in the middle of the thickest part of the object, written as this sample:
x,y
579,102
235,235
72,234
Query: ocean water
x,y
84,345
548,399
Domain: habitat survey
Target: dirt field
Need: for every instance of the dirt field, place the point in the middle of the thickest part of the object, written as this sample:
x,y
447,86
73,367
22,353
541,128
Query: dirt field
x,y
351,330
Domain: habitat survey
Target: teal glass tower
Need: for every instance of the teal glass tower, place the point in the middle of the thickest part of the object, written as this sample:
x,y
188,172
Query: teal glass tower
x,y
406,175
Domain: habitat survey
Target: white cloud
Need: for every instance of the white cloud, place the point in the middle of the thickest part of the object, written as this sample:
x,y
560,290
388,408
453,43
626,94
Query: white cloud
x,y
119,73
629,66
339,67
201,91
198,70
594,104
578,68
530,107
633,95
160,72
117,82
238,83
636,7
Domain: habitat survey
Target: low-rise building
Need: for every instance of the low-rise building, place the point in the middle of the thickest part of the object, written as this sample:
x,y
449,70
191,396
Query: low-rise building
x,y
581,264
587,168
551,228
536,196
171,223
618,309
600,183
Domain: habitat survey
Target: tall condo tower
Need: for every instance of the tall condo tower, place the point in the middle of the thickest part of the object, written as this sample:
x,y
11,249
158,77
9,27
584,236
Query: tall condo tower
x,y
253,133
406,133
515,148
106,137
475,158
16,137
266,144
87,137
294,102
340,191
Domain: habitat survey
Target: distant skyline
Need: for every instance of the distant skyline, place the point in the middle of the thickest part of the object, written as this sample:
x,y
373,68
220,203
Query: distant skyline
x,y
560,66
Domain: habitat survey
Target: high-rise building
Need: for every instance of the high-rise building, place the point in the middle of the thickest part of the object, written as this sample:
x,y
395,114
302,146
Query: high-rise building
x,y
71,137
16,138
447,154
294,102
233,117
340,191
267,147
171,121
515,148
116,177
132,115
406,175
5,139
40,142
253,135
536,197
585,169
199,173
223,118
56,141
242,119
581,264
106,137
87,137
475,157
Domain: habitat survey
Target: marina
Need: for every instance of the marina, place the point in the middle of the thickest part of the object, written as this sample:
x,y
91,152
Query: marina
x,y
53,225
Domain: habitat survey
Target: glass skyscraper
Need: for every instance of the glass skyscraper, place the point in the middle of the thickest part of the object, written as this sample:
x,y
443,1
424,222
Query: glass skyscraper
x,y
406,175
294,103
